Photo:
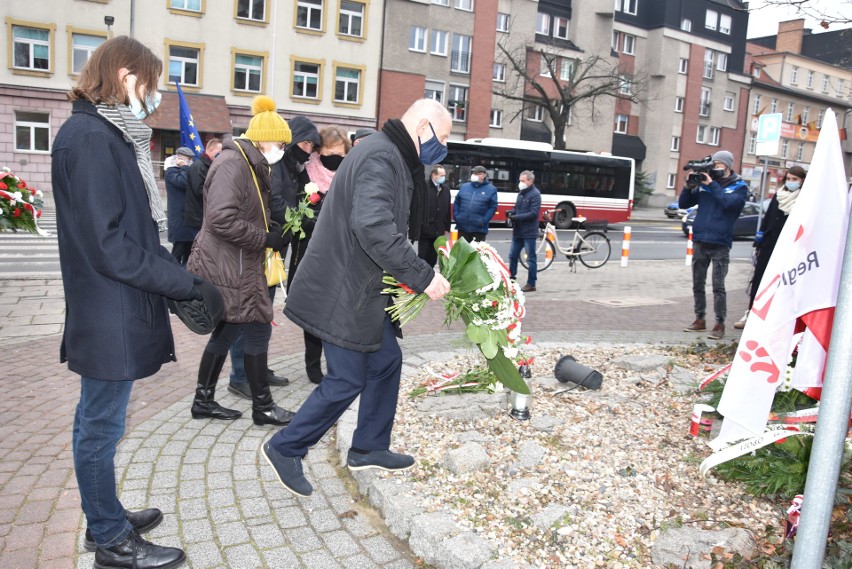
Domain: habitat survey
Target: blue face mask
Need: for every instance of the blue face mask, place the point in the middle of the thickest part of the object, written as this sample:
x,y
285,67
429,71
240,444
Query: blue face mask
x,y
793,186
431,151
152,101
441,180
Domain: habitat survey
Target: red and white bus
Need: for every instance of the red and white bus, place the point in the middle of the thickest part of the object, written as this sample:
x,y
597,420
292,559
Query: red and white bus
x,y
596,186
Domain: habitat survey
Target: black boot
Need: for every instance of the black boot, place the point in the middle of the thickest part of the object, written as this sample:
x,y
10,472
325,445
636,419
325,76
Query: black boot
x,y
204,407
313,357
136,553
264,411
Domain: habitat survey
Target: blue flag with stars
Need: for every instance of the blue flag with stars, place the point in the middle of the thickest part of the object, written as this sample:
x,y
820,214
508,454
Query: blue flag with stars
x,y
189,136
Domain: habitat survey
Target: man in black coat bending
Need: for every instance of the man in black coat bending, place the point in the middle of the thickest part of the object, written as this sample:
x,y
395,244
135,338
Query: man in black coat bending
x,y
377,200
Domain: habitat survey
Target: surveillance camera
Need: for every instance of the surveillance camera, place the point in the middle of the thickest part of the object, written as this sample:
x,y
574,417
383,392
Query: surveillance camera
x,y
109,20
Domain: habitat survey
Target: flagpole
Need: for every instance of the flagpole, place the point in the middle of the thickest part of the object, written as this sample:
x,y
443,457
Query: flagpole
x,y
762,193
831,429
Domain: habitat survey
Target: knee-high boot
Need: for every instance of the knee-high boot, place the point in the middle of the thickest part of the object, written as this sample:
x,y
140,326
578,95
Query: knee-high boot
x,y
313,357
204,407
264,411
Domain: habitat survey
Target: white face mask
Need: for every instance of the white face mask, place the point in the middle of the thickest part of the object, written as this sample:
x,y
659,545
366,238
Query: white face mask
x,y
522,186
474,177
274,155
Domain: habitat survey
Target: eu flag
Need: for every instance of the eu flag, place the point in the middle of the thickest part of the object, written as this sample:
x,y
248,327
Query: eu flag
x,y
188,133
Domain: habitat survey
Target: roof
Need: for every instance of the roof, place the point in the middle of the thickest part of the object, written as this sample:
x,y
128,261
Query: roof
x,y
210,113
834,48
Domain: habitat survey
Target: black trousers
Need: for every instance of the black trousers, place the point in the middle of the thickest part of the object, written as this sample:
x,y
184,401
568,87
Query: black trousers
x,y
426,250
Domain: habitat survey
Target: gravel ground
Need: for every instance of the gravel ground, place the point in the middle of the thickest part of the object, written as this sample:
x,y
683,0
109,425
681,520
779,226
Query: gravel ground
x,y
593,479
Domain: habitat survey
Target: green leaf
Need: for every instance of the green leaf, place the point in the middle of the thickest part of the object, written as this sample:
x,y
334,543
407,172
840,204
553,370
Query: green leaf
x,y
489,347
477,334
507,373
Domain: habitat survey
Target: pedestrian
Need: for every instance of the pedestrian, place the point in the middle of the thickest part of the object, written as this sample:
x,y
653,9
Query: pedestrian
x,y
377,197
773,222
230,251
116,278
474,206
720,197
321,168
361,133
194,207
177,184
525,228
438,215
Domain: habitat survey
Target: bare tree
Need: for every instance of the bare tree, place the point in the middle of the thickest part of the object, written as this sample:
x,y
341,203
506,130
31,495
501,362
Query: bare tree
x,y
561,82
840,11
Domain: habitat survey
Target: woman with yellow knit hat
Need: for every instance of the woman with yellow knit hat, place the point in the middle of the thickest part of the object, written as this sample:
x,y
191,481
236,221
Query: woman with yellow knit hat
x,y
230,250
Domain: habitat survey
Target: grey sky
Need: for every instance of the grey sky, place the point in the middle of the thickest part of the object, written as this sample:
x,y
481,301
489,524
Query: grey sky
x,y
764,21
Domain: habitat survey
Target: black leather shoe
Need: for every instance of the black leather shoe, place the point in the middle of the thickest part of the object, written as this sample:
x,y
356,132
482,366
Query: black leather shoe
x,y
240,390
136,553
273,416
276,380
212,410
142,521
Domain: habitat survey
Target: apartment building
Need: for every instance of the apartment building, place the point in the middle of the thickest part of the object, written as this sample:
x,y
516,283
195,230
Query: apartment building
x,y
314,57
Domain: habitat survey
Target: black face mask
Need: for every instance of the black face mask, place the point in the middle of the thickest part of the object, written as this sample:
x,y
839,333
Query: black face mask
x,y
332,161
298,154
717,174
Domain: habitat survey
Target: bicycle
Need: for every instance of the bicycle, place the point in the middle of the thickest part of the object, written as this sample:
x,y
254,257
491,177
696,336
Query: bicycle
x,y
592,248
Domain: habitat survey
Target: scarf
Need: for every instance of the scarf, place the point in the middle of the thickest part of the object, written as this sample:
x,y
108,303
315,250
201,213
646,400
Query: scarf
x,y
786,199
319,174
400,138
139,134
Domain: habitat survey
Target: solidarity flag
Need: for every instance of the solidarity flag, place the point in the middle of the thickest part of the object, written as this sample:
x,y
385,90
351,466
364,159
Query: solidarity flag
x,y
188,133
795,300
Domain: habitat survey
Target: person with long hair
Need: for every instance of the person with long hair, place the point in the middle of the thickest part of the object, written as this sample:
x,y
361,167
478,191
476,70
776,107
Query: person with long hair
x,y
116,277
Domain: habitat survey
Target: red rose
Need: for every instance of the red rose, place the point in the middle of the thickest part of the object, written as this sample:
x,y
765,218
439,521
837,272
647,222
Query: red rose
x,y
21,183
3,186
32,191
17,212
314,198
38,213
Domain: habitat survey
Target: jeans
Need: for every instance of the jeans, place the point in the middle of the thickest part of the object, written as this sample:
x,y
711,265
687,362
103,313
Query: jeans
x,y
515,254
98,426
703,255
238,366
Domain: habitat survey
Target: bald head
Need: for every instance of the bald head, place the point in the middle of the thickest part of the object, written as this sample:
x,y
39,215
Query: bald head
x,y
424,113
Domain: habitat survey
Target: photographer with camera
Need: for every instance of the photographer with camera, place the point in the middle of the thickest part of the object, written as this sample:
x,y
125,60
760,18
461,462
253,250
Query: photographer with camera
x,y
720,195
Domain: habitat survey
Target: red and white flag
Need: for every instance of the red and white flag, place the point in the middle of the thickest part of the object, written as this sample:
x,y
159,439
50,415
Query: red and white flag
x,y
797,295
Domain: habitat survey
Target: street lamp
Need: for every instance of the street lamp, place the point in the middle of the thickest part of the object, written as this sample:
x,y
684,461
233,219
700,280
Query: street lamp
x,y
109,21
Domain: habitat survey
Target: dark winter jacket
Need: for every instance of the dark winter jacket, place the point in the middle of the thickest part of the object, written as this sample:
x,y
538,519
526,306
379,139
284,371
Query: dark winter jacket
x,y
177,184
474,206
229,250
337,293
115,273
526,214
719,206
288,181
438,211
194,208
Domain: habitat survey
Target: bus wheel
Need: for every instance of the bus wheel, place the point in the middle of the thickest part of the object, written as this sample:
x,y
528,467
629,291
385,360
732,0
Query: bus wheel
x,y
562,216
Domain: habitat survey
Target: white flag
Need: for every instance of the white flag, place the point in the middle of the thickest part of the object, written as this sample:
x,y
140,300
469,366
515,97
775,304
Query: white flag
x,y
797,294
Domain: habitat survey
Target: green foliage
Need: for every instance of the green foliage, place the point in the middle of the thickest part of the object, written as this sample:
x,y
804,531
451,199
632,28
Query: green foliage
x,y
642,187
777,469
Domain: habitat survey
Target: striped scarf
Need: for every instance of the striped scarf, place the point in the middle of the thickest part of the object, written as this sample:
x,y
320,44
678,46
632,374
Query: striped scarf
x,y
139,134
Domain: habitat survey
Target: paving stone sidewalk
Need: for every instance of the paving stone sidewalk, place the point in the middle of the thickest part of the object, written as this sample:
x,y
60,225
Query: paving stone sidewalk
x,y
221,501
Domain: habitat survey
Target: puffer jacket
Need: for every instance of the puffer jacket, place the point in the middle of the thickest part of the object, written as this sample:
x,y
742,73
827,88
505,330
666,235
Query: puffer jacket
x,y
474,206
229,249
719,206
337,293
525,218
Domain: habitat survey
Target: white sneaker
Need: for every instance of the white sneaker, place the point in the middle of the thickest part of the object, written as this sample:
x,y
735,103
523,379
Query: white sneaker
x,y
740,324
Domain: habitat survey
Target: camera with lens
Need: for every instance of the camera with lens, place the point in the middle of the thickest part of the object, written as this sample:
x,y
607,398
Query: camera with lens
x,y
698,167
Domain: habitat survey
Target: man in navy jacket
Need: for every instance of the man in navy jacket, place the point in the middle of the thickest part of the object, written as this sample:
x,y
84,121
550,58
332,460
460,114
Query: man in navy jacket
x,y
475,205
525,227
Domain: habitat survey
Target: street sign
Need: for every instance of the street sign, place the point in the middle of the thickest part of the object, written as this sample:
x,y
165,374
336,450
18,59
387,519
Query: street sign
x,y
769,148
769,127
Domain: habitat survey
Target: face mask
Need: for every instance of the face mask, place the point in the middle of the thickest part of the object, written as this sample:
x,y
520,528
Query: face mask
x,y
441,179
331,161
522,186
152,101
474,178
717,173
273,155
431,151
793,186
298,154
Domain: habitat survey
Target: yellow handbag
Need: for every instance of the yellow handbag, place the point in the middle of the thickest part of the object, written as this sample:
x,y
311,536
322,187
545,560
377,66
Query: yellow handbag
x,y
273,264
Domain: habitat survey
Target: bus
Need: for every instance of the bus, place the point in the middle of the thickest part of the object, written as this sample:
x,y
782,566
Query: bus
x,y
596,186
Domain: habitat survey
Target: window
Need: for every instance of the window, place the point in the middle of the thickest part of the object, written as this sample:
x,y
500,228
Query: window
x,y
256,9
704,103
755,109
806,114
729,102
615,41
825,83
248,73
500,72
629,44
347,85
626,6
417,39
710,20
671,180
752,143
441,2
32,131
785,146
773,105
188,5
306,80
709,55
714,136
725,24
309,14
675,144
800,151
460,60
545,64
439,42
679,104
466,5
841,88
434,91
621,124
560,28
686,25
794,75
184,64
82,48
542,24
819,119
722,61
624,84
535,113
496,118
682,65
502,22
351,19
810,84
700,134
566,71
31,48
755,72
790,110
458,103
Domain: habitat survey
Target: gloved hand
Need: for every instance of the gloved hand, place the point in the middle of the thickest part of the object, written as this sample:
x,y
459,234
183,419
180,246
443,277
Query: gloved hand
x,y
197,283
758,238
275,238
510,214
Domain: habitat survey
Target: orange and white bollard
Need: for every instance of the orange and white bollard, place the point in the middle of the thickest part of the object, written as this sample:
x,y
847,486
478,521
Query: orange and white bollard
x,y
688,262
548,251
625,246
454,234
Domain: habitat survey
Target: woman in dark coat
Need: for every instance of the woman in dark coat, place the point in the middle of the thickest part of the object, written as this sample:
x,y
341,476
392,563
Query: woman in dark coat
x,y
230,251
116,277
